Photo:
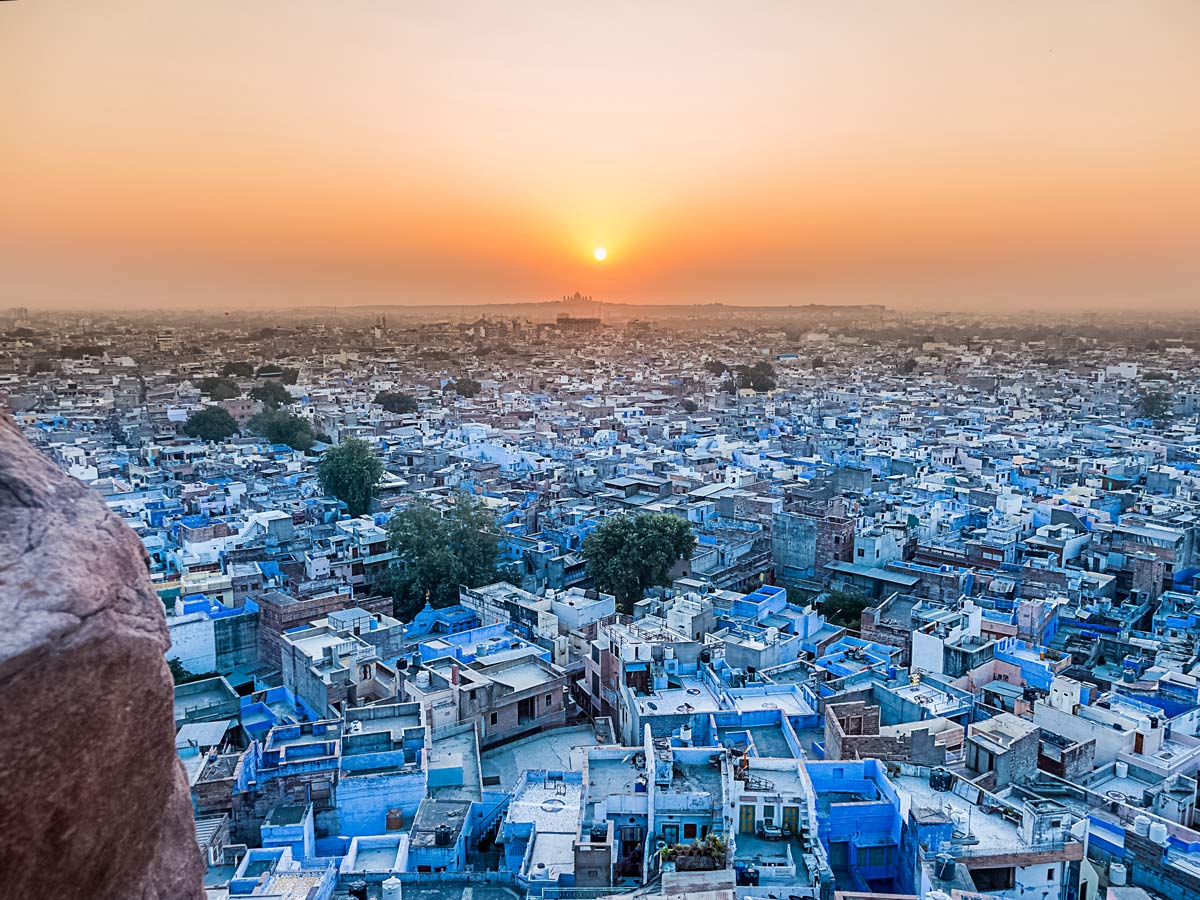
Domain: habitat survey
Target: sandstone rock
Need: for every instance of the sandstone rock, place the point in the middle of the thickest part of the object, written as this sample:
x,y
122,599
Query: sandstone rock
x,y
93,800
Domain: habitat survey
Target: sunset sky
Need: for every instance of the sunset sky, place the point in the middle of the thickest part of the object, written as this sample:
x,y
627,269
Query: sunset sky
x,y
919,154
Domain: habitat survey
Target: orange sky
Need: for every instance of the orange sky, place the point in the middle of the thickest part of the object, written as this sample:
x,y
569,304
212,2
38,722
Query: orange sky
x,y
910,153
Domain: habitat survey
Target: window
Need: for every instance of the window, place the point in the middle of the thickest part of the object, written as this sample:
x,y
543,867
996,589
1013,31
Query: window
x,y
549,699
492,721
1002,879
689,830
1049,874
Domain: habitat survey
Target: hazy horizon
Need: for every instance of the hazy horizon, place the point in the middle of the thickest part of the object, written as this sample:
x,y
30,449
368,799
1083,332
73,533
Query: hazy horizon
x,y
919,156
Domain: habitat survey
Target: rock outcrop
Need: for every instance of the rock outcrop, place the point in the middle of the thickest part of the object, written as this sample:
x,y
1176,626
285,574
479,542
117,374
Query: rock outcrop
x,y
93,800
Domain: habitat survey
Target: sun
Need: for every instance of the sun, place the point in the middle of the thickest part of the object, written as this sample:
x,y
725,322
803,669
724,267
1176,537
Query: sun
x,y
600,253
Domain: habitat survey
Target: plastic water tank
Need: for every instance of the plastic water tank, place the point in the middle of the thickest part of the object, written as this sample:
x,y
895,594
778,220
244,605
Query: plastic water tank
x,y
1116,874
1122,769
1158,833
1141,825
393,888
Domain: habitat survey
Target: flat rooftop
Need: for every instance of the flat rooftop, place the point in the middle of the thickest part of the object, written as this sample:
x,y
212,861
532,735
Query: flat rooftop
x,y
521,678
433,813
549,750
551,856
613,776
926,695
789,702
463,744
993,832
551,805
770,741
692,696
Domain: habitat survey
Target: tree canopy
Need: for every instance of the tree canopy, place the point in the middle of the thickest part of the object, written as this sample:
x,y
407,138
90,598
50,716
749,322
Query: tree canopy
x,y
628,554
271,370
436,553
210,423
844,608
758,377
272,394
237,369
220,388
1155,405
395,402
281,427
715,367
350,472
467,387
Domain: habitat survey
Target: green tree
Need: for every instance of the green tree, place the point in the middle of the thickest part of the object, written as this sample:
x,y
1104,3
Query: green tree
x,y
279,373
1155,405
758,377
179,672
210,423
237,369
350,472
628,554
395,402
281,427
467,387
436,553
220,388
689,406
908,366
272,394
715,367
844,608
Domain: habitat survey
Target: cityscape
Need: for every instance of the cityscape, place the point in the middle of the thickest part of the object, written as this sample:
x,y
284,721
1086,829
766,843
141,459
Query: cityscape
x,y
577,451
583,601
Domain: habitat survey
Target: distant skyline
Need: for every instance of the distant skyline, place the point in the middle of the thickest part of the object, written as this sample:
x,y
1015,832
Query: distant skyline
x,y
978,157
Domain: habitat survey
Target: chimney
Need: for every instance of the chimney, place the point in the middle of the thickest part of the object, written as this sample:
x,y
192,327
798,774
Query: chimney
x,y
454,674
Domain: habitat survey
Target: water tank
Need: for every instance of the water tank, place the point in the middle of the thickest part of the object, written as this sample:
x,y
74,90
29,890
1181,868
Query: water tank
x,y
358,889
393,888
423,678
705,656
395,819
944,867
441,836
599,834
1158,833
941,779
668,652
1116,874
1122,769
1141,825
685,735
